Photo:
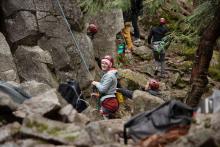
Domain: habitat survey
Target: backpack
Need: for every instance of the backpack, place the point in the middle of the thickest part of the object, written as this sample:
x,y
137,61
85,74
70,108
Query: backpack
x,y
16,93
121,43
166,116
162,45
72,93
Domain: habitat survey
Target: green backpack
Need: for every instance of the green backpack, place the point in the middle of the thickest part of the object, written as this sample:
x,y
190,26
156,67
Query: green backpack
x,y
121,47
164,43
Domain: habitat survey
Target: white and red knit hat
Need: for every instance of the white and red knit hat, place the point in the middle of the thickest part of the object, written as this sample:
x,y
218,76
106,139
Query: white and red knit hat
x,y
108,62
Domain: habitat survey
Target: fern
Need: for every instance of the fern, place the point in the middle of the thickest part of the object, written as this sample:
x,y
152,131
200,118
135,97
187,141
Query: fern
x,y
203,14
94,6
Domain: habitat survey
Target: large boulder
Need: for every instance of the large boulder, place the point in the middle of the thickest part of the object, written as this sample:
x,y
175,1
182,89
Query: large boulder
x,y
34,88
131,79
105,131
32,64
143,101
9,130
70,115
7,101
49,130
39,105
25,14
69,57
10,7
109,24
204,132
27,143
22,26
143,52
69,63
145,67
8,69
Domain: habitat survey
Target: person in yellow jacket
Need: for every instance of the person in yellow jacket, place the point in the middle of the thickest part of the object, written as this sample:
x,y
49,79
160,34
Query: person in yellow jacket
x,y
127,35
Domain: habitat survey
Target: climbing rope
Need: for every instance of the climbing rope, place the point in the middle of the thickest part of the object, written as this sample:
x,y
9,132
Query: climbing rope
x,y
74,39
79,51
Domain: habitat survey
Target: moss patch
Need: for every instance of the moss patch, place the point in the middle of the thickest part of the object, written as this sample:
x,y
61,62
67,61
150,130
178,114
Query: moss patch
x,y
214,72
70,138
186,66
54,131
188,53
40,127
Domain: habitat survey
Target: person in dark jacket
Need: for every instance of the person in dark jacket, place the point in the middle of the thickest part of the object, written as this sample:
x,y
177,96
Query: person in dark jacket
x,y
151,87
155,39
132,15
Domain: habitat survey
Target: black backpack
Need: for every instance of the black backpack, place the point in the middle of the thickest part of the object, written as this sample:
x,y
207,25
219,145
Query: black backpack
x,y
168,115
72,93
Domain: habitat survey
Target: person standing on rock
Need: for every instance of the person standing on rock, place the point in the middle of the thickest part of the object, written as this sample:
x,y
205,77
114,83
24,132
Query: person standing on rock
x,y
155,39
131,16
107,89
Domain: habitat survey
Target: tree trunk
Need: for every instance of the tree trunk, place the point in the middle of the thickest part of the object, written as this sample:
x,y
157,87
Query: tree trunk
x,y
202,59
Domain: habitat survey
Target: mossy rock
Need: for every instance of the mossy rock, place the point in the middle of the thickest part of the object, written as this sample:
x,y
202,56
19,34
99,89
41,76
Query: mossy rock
x,y
132,79
186,66
188,53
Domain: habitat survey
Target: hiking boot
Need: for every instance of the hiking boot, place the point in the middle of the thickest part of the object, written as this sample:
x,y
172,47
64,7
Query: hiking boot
x,y
137,40
156,72
138,43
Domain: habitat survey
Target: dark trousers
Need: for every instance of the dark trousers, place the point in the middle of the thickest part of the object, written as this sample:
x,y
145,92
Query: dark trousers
x,y
134,20
159,61
159,57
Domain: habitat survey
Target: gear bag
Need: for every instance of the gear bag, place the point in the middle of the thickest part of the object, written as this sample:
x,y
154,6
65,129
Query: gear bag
x,y
120,43
158,120
161,46
17,94
72,93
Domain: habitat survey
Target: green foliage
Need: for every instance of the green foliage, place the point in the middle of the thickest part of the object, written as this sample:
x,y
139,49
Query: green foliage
x,y
203,14
94,6
188,53
202,11
214,73
152,7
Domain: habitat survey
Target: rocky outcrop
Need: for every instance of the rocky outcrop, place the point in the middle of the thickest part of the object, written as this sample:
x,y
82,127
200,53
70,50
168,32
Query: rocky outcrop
x,y
109,24
40,23
204,132
9,130
143,101
46,129
34,88
39,105
8,71
102,132
22,26
70,115
32,64
131,79
143,52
